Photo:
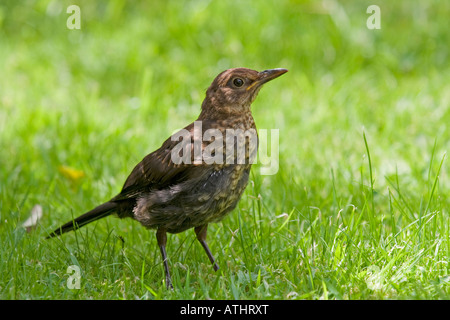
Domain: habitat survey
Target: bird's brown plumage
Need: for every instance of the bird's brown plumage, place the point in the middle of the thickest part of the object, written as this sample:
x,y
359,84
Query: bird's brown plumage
x,y
173,197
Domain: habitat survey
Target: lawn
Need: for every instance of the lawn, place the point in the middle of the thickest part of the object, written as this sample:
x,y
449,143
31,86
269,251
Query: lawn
x,y
359,206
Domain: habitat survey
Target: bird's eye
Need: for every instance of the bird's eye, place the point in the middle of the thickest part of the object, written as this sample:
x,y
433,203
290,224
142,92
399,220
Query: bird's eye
x,y
238,82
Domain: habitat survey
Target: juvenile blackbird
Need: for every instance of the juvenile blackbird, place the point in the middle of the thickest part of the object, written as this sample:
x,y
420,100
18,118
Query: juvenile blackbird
x,y
170,195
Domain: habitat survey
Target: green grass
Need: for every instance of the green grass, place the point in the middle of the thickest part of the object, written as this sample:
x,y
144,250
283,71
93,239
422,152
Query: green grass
x,y
359,208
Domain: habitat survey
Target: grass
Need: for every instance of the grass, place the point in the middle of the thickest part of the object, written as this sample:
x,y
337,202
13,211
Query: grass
x,y
359,208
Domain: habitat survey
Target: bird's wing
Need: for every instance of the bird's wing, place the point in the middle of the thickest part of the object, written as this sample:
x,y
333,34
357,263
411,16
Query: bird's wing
x,y
158,170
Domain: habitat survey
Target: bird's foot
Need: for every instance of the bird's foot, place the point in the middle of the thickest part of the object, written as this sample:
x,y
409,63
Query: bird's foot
x,y
169,284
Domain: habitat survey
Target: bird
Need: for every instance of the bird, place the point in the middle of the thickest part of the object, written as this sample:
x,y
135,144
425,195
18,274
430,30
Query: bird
x,y
199,174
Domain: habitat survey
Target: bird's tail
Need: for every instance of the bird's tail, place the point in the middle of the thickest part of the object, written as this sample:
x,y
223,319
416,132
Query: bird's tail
x,y
99,212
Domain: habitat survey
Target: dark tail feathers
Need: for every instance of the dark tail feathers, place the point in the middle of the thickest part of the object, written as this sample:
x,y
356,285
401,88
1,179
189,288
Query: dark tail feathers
x,y
99,212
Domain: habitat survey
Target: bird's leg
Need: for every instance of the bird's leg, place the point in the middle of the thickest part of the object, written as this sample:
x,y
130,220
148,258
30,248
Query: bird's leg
x,y
200,231
161,236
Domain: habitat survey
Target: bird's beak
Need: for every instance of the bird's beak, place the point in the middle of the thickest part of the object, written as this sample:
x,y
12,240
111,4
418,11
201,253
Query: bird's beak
x,y
267,75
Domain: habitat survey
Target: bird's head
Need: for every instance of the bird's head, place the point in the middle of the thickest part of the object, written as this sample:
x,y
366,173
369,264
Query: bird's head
x,y
233,90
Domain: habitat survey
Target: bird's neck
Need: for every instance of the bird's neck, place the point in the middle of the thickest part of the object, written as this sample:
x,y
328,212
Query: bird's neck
x,y
218,110
231,116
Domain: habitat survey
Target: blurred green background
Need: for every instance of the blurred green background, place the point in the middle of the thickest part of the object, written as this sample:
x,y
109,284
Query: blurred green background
x,y
79,108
